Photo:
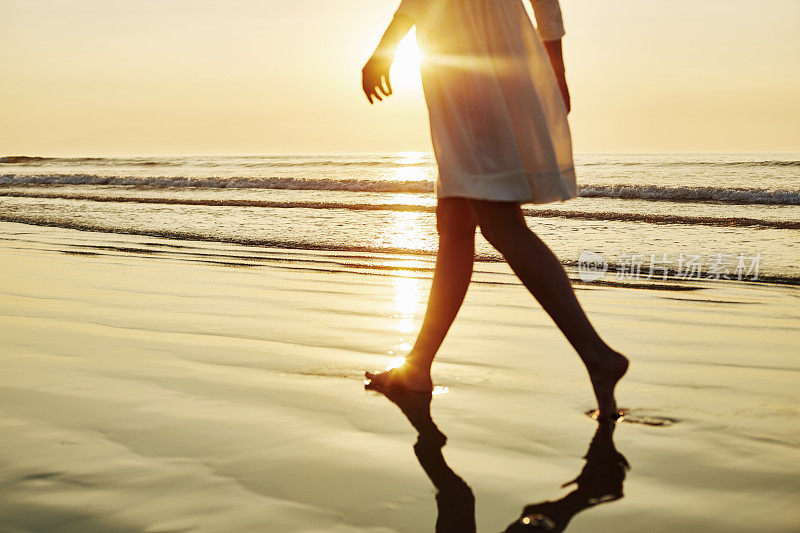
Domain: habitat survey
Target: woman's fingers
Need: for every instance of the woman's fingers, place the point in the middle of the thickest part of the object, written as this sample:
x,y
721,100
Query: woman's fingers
x,y
365,84
371,91
368,93
562,85
386,84
369,84
381,89
566,96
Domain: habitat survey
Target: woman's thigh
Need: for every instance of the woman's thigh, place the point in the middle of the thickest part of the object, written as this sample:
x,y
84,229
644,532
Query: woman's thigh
x,y
455,218
501,223
492,214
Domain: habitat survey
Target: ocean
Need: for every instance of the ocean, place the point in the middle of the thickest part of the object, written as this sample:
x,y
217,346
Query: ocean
x,y
641,218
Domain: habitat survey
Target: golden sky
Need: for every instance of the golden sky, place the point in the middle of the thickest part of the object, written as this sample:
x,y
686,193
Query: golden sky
x,y
105,77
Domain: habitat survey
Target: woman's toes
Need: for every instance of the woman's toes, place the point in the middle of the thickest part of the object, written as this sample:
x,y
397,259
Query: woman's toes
x,y
376,381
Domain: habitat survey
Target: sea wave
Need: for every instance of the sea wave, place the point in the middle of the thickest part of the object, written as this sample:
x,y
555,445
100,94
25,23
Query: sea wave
x,y
94,161
299,184
530,212
691,163
360,160
22,160
726,195
210,162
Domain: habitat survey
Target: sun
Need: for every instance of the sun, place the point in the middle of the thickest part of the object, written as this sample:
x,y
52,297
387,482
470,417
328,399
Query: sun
x,y
405,70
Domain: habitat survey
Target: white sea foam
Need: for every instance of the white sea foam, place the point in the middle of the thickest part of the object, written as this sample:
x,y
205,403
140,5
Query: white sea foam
x,y
652,218
694,194
730,195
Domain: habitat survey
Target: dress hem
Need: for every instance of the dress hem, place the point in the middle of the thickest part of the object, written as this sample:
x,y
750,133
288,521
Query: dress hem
x,y
549,187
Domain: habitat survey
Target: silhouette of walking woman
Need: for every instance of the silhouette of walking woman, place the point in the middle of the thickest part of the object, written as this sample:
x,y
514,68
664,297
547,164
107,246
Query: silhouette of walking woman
x,y
498,101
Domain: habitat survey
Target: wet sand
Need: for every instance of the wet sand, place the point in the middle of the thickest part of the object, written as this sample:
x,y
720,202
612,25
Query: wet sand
x,y
161,385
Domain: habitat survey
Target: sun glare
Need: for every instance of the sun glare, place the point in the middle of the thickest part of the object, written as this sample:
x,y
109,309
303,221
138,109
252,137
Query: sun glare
x,y
405,70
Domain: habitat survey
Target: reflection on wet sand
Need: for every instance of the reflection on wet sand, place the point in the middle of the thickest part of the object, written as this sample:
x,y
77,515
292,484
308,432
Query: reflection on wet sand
x,y
600,481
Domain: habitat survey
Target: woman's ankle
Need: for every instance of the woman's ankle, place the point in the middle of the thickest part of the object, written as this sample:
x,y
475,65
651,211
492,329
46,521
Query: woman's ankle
x,y
598,355
419,361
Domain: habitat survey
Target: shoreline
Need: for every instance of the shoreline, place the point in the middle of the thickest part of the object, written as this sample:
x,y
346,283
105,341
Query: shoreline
x,y
670,284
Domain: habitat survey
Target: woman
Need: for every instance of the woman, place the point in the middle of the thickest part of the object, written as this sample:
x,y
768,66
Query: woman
x,y
498,101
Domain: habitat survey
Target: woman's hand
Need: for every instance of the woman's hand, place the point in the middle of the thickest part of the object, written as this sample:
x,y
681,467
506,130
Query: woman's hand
x,y
375,78
375,74
556,55
562,85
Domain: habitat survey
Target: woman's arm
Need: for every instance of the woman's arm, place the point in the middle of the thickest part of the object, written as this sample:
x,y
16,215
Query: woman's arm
x,y
550,24
554,51
375,74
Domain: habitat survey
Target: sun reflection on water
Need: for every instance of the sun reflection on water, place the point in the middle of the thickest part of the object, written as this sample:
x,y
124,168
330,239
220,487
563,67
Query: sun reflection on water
x,y
411,166
406,230
406,299
411,158
395,362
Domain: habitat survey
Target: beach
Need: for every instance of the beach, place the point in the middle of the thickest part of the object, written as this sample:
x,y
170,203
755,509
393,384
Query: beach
x,y
234,237
157,384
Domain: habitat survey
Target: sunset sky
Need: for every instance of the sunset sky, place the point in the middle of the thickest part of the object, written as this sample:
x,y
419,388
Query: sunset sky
x,y
106,77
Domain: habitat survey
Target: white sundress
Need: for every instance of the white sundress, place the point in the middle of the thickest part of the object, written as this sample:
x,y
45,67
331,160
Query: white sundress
x,y
498,120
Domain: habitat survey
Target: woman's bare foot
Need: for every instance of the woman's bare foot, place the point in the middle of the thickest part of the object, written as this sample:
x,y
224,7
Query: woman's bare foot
x,y
605,374
406,376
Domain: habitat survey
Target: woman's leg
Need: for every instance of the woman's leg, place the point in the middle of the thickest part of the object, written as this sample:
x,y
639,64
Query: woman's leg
x,y
455,225
503,225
